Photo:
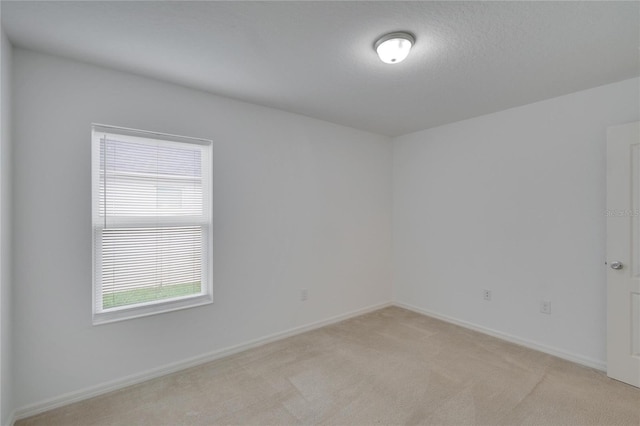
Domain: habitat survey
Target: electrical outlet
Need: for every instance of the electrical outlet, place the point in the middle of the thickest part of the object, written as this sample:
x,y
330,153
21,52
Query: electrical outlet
x,y
304,294
486,294
545,307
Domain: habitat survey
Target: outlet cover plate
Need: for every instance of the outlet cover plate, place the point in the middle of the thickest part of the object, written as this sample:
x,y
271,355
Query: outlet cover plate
x,y
545,307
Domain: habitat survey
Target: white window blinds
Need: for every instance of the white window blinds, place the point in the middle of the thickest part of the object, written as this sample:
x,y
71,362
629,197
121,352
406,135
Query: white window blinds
x,y
152,222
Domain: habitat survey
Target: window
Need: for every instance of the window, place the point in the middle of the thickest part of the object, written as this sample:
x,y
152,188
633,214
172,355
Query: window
x,y
151,203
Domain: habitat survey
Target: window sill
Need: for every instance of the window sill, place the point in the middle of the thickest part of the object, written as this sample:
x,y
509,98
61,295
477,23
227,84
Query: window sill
x,y
123,314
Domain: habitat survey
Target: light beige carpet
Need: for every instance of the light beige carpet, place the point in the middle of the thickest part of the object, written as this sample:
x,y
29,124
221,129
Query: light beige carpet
x,y
388,367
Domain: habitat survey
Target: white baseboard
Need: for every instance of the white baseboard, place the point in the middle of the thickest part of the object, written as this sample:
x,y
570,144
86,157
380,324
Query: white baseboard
x,y
578,359
93,391
12,419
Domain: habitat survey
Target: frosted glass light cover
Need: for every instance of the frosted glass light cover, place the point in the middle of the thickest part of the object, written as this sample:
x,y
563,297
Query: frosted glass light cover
x,y
393,48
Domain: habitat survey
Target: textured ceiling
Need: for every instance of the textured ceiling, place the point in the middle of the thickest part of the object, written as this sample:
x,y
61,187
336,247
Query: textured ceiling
x,y
316,58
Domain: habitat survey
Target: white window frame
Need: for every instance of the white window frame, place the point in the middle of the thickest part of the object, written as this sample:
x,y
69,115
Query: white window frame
x,y
101,316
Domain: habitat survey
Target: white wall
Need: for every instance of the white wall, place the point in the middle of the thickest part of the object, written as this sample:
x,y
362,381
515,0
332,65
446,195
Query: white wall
x,y
6,397
513,202
297,203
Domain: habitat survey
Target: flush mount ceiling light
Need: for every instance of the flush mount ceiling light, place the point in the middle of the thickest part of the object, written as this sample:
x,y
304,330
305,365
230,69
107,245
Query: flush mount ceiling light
x,y
394,47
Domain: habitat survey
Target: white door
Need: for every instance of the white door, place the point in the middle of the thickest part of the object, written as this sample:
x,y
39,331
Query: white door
x,y
623,253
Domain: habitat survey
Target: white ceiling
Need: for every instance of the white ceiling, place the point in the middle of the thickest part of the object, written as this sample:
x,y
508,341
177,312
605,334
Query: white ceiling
x,y
317,59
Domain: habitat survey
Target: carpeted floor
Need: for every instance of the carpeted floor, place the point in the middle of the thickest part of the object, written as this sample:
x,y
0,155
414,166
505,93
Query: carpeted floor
x,y
391,366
